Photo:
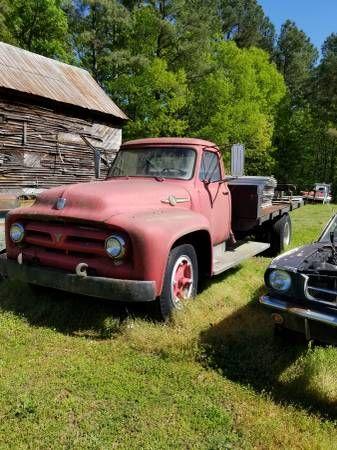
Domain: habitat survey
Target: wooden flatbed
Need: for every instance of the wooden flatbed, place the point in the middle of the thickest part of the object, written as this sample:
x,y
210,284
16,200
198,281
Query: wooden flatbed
x,y
278,208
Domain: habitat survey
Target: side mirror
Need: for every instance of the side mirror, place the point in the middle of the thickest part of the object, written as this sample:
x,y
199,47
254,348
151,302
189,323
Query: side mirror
x,y
222,180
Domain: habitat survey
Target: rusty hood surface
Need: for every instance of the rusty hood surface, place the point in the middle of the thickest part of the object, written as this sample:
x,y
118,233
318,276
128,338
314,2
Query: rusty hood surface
x,y
99,201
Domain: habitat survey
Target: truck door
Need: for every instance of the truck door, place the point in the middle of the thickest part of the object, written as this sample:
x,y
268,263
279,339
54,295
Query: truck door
x,y
215,200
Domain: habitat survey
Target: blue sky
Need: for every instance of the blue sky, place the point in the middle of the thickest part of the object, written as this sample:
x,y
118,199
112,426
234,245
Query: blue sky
x,y
317,18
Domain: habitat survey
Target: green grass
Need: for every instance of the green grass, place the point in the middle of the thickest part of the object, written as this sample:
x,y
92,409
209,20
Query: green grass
x,y
77,373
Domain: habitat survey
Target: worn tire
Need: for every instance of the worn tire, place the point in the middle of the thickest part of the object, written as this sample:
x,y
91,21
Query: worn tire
x,y
167,301
277,234
280,235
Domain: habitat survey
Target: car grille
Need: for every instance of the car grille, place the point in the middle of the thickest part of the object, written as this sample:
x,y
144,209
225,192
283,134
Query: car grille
x,y
321,288
68,238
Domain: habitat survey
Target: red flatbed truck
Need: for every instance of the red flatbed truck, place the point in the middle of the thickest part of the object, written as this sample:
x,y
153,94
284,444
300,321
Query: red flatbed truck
x,y
166,216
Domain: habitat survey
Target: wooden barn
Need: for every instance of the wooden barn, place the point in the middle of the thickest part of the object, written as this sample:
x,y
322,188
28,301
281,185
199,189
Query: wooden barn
x,y
57,125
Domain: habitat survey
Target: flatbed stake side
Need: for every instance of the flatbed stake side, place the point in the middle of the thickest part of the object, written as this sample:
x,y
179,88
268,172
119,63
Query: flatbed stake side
x,y
166,216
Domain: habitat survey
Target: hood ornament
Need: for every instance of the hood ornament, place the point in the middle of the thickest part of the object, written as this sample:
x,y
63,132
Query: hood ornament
x,y
172,200
60,203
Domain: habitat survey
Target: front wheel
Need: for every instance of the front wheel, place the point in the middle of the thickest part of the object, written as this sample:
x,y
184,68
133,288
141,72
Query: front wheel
x,y
180,281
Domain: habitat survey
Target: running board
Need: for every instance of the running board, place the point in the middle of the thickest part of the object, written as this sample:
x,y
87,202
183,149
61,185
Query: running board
x,y
232,258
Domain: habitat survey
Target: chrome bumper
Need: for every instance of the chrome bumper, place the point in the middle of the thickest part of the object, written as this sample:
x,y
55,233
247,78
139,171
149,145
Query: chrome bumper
x,y
304,313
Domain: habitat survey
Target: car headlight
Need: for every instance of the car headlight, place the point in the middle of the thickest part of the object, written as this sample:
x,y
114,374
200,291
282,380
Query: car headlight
x,y
16,232
280,280
115,246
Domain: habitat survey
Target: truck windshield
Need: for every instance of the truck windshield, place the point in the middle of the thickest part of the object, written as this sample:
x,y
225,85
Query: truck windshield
x,y
164,162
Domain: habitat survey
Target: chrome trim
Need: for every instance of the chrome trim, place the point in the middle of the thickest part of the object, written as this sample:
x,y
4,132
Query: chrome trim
x,y
304,313
172,200
325,229
306,289
326,291
19,225
60,203
81,269
122,243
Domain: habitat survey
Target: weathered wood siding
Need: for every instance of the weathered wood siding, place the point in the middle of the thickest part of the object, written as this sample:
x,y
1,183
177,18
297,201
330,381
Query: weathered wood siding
x,y
42,148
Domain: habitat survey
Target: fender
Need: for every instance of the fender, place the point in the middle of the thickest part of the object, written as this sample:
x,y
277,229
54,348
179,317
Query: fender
x,y
153,233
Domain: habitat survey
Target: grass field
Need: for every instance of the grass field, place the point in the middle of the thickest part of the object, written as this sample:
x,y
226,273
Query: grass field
x,y
78,374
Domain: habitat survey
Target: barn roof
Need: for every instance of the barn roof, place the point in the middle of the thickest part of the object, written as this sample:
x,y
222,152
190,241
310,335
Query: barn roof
x,y
45,78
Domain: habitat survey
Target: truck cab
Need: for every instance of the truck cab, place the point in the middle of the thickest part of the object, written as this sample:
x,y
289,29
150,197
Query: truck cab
x,y
160,221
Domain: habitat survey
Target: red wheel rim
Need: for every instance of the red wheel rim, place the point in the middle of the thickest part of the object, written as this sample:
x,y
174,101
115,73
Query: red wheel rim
x,y
182,279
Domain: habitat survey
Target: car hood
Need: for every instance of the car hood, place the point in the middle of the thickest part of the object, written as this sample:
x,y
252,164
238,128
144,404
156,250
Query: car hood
x,y
98,201
294,259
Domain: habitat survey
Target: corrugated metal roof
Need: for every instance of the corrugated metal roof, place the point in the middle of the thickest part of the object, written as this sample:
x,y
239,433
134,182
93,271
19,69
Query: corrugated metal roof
x,y
37,75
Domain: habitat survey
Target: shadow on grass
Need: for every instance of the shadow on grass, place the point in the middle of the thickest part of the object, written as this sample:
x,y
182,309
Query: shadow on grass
x,y
74,314
69,313
244,349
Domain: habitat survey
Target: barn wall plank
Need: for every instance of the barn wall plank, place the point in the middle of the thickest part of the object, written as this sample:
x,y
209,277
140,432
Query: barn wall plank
x,y
41,148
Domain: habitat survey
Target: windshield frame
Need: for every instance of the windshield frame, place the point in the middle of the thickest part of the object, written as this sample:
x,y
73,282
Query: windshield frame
x,y
325,235
158,147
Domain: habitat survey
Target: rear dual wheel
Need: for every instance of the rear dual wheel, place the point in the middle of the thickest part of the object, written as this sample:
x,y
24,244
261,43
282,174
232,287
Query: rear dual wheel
x,y
180,281
280,235
277,234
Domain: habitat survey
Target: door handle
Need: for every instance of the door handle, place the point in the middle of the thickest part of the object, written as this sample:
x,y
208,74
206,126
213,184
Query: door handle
x,y
225,193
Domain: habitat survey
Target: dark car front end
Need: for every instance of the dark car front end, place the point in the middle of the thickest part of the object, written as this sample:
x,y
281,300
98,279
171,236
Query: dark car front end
x,y
302,288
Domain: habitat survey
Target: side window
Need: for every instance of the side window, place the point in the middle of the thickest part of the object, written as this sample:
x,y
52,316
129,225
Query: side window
x,y
210,167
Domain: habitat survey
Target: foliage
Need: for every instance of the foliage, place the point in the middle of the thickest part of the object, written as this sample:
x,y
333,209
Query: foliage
x,y
325,88
5,34
244,21
295,58
199,67
237,101
153,97
40,26
100,32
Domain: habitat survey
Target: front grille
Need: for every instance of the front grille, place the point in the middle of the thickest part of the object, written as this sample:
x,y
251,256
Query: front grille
x,y
67,238
321,288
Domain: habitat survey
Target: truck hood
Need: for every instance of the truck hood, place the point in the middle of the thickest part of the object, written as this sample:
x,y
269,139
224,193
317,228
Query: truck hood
x,y
98,201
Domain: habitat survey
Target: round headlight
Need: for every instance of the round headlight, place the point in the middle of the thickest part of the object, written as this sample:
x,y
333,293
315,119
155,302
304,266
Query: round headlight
x,y
115,246
280,280
16,232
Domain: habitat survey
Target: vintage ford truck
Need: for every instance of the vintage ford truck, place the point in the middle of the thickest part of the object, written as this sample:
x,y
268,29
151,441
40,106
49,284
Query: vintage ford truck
x,y
166,216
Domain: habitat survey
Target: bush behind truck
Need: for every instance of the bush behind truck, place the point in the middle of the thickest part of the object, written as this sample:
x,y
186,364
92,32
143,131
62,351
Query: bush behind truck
x,y
166,217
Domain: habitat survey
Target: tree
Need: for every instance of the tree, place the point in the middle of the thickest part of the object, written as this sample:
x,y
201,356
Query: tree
x,y
180,31
237,102
196,28
100,30
329,47
295,57
37,25
5,34
153,99
244,22
324,87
